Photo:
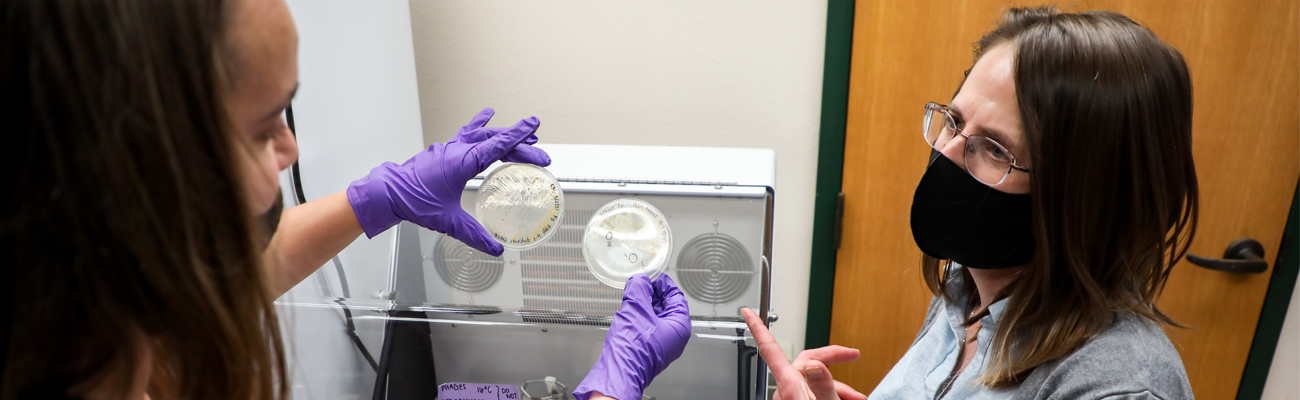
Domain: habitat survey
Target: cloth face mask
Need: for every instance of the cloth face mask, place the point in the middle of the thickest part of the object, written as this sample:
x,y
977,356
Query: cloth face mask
x,y
957,218
271,219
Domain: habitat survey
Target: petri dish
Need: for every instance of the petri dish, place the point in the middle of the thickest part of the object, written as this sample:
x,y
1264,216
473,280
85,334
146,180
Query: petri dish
x,y
624,237
521,205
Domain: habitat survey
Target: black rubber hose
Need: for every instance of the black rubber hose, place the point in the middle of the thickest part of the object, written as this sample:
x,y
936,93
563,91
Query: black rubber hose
x,y
294,175
347,314
744,357
296,180
385,358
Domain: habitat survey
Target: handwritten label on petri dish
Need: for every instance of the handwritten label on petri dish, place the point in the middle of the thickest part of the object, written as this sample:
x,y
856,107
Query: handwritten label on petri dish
x,y
625,237
520,205
476,391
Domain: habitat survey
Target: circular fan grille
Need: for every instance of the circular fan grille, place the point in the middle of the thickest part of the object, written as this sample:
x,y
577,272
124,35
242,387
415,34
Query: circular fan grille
x,y
464,268
714,268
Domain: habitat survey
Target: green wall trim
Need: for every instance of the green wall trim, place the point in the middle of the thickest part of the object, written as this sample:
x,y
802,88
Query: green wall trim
x,y
830,168
1276,300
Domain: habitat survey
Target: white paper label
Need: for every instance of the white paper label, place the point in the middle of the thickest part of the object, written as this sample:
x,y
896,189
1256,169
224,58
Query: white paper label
x,y
476,391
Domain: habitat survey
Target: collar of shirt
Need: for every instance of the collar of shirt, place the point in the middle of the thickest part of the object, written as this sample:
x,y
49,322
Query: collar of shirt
x,y
928,364
957,309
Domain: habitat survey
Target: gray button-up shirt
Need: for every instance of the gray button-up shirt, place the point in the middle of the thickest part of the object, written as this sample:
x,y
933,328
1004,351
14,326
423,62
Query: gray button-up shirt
x,y
1131,360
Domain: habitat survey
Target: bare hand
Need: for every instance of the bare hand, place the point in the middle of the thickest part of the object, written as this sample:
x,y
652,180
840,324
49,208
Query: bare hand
x,y
807,378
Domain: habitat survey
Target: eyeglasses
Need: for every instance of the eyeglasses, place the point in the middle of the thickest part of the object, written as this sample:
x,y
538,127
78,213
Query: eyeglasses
x,y
986,159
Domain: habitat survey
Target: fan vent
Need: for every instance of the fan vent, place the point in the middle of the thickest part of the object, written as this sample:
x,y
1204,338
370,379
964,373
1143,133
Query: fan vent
x,y
714,268
464,268
558,287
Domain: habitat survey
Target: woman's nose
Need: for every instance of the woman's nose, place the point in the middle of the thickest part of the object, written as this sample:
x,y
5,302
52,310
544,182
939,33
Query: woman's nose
x,y
955,150
286,149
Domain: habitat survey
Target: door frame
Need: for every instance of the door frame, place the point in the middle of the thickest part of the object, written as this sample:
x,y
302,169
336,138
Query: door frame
x,y
830,170
1273,315
830,176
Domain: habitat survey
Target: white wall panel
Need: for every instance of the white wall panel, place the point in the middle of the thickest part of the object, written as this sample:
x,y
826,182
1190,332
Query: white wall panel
x,y
357,106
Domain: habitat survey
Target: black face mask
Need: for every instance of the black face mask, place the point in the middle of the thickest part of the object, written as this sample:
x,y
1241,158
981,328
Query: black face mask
x,y
270,221
957,218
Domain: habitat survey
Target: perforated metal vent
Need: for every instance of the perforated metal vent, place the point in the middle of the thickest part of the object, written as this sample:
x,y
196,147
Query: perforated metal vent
x,y
714,268
464,268
558,287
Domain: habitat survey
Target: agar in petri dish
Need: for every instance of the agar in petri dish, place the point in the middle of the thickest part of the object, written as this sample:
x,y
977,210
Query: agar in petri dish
x,y
521,205
627,236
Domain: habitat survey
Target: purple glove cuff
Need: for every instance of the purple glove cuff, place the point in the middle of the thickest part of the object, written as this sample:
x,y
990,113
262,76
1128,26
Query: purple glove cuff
x,y
369,201
615,382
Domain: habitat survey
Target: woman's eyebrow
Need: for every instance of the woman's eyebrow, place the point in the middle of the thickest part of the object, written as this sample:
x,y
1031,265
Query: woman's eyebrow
x,y
284,103
997,136
994,134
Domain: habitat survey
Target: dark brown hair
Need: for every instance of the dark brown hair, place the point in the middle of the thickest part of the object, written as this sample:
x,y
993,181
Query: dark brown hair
x,y
126,227
1107,111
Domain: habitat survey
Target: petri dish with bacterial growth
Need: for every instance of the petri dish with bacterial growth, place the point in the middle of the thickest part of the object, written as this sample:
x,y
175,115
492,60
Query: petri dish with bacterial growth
x,y
521,205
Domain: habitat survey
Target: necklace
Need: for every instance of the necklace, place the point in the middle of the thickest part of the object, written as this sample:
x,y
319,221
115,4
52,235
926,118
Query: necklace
x,y
952,377
965,336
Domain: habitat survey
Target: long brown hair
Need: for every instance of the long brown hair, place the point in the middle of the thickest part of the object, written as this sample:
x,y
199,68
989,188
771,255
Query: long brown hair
x,y
1107,111
126,228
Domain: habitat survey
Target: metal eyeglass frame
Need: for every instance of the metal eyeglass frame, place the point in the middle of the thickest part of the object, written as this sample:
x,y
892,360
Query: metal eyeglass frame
x,y
931,107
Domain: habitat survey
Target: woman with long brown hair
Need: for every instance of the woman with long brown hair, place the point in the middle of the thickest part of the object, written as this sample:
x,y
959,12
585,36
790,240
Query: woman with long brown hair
x,y
143,140
144,223
1060,193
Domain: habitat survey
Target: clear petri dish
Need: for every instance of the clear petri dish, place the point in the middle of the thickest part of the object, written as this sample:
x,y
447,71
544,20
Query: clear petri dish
x,y
521,205
624,237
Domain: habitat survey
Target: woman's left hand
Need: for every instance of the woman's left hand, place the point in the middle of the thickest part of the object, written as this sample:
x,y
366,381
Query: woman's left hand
x,y
426,189
649,332
807,377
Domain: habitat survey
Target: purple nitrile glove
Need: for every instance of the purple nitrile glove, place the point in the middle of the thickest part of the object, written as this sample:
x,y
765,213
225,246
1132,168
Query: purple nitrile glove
x,y
522,153
426,189
647,334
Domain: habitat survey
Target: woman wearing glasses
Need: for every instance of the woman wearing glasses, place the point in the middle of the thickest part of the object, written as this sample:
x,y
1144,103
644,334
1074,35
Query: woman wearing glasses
x,y
1060,192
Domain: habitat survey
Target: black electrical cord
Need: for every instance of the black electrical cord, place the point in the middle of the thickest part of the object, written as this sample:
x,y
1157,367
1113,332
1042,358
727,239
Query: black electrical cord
x,y
347,313
745,368
296,179
407,370
293,169
380,391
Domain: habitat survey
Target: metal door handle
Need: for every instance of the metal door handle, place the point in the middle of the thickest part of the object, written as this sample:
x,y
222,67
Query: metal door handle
x,y
1243,256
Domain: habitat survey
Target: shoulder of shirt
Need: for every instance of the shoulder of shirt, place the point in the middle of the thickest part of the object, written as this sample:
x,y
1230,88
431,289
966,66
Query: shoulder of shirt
x,y
1133,359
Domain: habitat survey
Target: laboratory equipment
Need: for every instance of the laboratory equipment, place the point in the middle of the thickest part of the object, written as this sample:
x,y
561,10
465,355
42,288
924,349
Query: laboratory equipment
x,y
450,313
624,237
424,309
520,205
542,311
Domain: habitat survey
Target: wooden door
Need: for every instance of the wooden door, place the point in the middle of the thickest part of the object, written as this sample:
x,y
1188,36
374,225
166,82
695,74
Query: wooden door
x,y
1243,60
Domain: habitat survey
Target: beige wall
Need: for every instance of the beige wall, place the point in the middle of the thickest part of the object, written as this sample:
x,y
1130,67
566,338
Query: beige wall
x,y
684,73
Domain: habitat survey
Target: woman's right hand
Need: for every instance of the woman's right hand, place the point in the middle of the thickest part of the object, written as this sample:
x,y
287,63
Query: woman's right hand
x,y
807,378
